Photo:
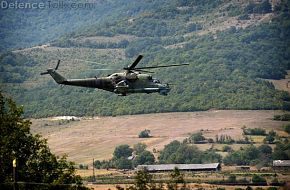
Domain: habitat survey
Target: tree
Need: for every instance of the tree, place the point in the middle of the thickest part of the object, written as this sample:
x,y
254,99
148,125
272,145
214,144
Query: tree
x,y
145,157
144,134
139,148
270,138
168,151
210,156
197,137
120,157
287,128
176,178
123,163
227,149
265,7
246,156
35,162
122,151
143,181
179,153
97,164
283,117
265,149
85,166
254,131
234,158
282,151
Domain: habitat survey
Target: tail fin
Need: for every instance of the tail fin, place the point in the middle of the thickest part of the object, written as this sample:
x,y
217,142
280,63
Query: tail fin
x,y
55,75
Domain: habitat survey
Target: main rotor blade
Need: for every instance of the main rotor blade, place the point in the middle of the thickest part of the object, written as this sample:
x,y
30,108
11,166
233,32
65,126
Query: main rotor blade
x,y
144,71
107,69
44,73
159,66
135,63
58,62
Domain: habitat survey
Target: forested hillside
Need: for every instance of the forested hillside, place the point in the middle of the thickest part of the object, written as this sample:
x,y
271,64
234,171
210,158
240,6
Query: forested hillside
x,y
22,28
231,46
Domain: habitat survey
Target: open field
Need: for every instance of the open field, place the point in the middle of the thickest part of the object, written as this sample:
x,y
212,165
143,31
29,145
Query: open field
x,y
97,137
282,84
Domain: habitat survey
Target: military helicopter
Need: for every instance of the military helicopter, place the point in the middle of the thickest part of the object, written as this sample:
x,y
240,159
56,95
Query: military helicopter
x,y
130,81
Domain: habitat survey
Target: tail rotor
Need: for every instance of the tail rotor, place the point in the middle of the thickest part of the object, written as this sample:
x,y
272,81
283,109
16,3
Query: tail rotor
x,y
50,70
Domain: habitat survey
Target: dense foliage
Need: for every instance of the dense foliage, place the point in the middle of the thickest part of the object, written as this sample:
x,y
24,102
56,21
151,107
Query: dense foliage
x,y
28,27
125,157
258,179
254,131
139,148
282,151
260,156
144,134
145,157
35,162
197,138
287,128
13,67
270,138
181,153
282,117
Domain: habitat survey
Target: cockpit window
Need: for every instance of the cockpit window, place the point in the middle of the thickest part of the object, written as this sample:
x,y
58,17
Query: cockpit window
x,y
156,81
113,75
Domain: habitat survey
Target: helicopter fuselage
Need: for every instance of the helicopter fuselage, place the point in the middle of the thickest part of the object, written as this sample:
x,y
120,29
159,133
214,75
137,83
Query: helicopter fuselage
x,y
120,83
127,82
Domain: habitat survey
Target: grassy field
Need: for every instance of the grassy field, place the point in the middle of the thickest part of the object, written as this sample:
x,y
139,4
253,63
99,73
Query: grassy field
x,y
97,137
283,83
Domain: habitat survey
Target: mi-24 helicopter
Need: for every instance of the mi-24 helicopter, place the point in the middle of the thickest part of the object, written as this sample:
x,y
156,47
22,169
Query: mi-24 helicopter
x,y
131,80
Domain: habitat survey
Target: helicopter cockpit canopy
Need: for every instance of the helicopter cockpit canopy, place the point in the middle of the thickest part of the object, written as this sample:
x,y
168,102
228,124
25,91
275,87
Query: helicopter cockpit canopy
x,y
155,81
131,76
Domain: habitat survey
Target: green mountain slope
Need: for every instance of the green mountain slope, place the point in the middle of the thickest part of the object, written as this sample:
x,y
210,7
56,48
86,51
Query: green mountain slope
x,y
231,47
25,27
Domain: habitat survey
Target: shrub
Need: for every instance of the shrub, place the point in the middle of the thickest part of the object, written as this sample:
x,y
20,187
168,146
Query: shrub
x,y
287,128
258,179
83,166
255,131
232,179
283,117
227,149
197,137
272,188
144,134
